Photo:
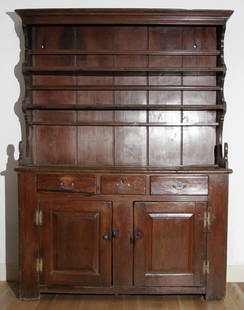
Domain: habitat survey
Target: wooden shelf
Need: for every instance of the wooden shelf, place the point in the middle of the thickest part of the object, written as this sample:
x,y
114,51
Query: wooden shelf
x,y
120,69
128,124
127,87
136,107
123,52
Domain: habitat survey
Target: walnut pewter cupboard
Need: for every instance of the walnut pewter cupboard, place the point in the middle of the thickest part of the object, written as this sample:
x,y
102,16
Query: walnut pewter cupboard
x,y
123,184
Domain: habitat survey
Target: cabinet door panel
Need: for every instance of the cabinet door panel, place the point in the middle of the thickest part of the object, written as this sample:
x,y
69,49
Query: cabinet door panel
x,y
169,244
74,250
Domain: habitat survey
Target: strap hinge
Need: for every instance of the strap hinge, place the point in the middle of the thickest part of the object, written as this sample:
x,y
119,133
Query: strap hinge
x,y
207,221
39,217
39,265
205,268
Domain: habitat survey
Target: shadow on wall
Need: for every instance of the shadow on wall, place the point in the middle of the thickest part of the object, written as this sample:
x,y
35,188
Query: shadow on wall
x,y
11,183
11,215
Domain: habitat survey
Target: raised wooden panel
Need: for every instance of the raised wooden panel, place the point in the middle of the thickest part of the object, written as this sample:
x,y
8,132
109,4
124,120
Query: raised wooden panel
x,y
130,146
171,185
161,231
72,183
55,145
95,145
123,184
75,251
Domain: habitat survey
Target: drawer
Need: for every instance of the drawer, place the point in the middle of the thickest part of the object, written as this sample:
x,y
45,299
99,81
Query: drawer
x,y
69,183
179,185
123,184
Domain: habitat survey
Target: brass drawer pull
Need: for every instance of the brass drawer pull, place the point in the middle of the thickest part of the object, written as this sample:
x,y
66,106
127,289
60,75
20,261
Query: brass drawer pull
x,y
123,184
63,185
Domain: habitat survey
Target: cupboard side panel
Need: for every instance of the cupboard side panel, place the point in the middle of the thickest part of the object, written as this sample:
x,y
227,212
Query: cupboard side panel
x,y
28,237
217,237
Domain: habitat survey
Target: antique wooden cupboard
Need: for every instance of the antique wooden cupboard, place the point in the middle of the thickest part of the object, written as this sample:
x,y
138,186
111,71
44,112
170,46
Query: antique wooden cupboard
x,y
123,179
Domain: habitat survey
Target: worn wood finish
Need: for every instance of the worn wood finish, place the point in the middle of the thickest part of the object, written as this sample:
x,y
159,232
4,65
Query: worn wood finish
x,y
28,237
217,237
123,183
180,227
69,255
73,183
233,300
179,185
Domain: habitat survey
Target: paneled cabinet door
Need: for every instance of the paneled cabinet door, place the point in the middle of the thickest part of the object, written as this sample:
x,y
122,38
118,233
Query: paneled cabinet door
x,y
169,243
76,242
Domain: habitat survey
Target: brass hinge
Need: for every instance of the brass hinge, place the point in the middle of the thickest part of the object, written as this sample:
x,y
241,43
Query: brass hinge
x,y
39,265
207,220
205,268
39,217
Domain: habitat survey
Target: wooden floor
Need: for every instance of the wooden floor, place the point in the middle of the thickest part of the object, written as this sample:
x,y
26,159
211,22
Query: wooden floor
x,y
234,300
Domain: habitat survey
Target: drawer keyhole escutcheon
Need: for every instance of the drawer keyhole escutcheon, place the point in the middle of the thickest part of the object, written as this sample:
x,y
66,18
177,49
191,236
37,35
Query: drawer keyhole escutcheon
x,y
179,186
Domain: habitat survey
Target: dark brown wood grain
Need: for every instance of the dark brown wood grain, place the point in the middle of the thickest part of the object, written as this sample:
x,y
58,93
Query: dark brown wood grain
x,y
73,183
123,249
181,231
28,237
124,16
217,237
123,183
167,185
73,243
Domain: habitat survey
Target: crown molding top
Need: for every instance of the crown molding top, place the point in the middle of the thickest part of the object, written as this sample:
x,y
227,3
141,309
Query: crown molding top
x,y
124,16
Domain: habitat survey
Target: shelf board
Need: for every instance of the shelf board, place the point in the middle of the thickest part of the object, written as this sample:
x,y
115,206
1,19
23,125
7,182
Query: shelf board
x,y
127,124
120,69
126,87
136,107
123,52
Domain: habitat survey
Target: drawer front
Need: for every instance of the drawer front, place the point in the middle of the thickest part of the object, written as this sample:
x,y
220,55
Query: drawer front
x,y
117,184
67,183
179,185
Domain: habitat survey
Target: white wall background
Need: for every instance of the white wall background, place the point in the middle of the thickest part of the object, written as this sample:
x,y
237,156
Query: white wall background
x,y
10,131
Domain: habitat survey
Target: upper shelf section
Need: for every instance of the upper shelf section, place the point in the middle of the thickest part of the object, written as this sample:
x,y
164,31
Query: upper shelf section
x,y
124,16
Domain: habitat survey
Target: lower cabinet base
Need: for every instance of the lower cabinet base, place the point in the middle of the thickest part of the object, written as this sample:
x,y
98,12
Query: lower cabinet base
x,y
123,243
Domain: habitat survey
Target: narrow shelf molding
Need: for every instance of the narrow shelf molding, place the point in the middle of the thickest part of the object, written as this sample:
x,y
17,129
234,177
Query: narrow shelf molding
x,y
126,87
123,52
128,124
136,107
120,69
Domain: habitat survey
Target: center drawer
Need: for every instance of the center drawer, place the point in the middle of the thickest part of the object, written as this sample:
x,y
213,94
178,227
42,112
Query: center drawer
x,y
67,183
123,184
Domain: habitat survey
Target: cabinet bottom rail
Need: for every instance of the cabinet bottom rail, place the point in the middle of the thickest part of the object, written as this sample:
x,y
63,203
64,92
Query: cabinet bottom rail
x,y
122,290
